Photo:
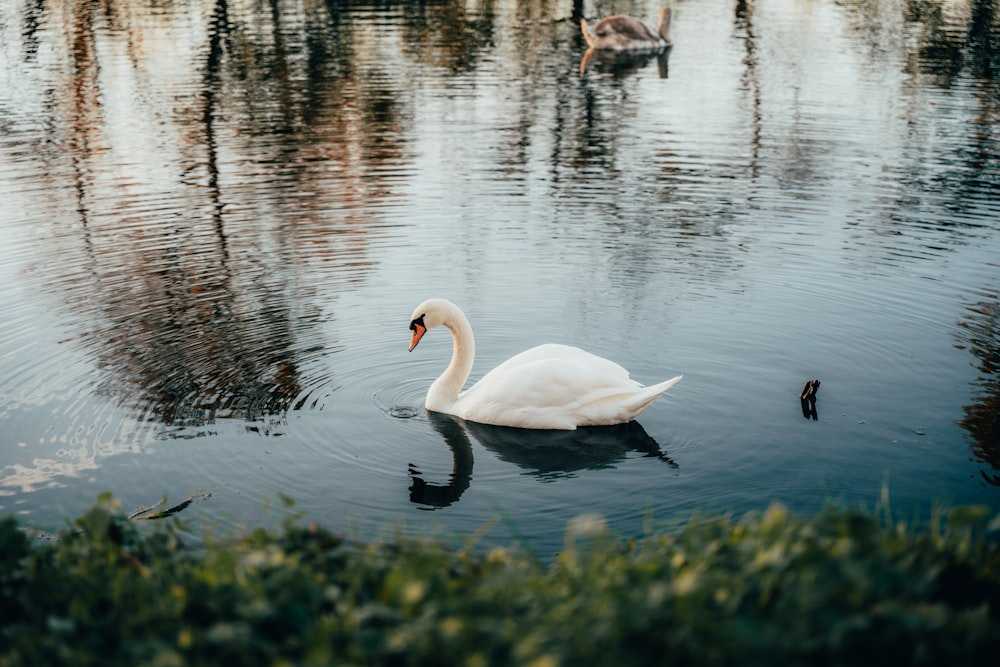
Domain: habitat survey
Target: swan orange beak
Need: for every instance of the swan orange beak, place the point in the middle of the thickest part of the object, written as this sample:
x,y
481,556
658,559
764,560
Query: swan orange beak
x,y
418,329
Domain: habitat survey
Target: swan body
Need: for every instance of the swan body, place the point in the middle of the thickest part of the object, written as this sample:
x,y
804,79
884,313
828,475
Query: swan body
x,y
546,387
626,33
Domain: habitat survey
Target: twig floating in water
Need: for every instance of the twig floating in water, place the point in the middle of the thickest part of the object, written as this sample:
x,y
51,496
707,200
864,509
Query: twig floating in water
x,y
808,399
809,390
152,513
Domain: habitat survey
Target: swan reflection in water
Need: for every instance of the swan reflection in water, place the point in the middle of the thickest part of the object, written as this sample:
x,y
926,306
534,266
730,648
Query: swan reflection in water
x,y
549,455
624,63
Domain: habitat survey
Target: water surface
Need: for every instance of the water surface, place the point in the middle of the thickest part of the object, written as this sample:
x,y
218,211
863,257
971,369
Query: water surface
x,y
218,216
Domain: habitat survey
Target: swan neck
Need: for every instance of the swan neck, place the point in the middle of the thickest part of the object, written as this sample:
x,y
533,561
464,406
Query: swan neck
x,y
446,388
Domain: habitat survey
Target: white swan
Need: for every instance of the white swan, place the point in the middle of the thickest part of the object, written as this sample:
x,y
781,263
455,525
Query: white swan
x,y
626,33
546,387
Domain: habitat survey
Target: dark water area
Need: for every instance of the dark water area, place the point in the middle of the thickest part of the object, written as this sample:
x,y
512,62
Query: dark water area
x,y
218,216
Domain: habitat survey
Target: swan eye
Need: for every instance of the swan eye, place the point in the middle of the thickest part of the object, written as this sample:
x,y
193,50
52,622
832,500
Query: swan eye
x,y
418,322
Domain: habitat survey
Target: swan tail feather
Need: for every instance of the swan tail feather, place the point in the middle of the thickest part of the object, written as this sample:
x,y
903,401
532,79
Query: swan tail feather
x,y
666,384
647,395
620,407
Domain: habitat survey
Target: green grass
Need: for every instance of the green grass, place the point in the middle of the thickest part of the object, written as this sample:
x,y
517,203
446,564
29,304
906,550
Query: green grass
x,y
843,587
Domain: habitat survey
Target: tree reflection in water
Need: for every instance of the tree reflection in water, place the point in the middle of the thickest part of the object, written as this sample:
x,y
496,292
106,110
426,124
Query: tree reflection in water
x,y
176,273
980,333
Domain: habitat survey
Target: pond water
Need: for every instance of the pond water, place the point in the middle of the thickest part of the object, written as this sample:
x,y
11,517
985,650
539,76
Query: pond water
x,y
218,216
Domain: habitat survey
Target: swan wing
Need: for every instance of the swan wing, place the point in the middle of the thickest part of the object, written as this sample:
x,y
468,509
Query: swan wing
x,y
556,387
569,359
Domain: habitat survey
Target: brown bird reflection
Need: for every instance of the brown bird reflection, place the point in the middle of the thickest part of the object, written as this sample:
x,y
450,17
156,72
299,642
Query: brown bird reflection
x,y
624,63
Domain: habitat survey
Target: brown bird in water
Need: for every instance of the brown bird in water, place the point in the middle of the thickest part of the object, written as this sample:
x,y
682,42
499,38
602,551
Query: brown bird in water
x,y
626,33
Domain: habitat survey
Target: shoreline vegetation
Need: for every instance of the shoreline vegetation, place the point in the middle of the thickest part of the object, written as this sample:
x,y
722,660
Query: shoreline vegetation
x,y
845,586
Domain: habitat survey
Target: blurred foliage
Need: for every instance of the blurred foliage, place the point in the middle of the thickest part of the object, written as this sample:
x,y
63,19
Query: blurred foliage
x,y
843,587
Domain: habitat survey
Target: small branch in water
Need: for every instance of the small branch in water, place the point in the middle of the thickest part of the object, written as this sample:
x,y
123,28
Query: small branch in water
x,y
154,511
808,399
809,390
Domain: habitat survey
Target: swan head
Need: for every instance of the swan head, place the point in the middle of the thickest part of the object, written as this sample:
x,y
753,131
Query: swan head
x,y
431,313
